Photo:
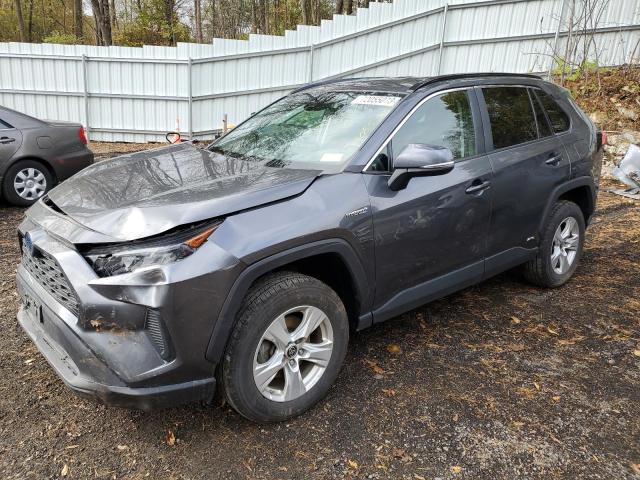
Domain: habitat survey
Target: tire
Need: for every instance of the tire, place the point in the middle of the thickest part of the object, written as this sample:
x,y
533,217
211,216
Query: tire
x,y
269,300
545,271
28,170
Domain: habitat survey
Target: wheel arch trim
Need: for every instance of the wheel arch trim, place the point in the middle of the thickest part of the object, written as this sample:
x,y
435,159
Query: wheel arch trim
x,y
226,319
572,184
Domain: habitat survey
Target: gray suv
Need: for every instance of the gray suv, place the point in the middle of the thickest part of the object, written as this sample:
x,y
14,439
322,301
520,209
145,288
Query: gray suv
x,y
150,278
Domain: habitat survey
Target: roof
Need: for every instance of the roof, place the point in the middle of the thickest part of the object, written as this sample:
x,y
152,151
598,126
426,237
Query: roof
x,y
401,84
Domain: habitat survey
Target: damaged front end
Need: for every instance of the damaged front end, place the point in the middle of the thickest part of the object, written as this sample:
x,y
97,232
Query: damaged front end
x,y
127,324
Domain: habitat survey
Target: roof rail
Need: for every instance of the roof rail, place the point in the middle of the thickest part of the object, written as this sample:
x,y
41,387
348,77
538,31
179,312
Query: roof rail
x,y
456,76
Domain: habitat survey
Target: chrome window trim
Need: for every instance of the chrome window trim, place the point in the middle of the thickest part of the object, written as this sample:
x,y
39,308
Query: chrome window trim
x,y
407,117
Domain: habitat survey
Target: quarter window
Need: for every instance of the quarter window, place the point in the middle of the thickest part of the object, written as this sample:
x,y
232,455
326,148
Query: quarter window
x,y
543,126
445,121
511,116
558,118
4,125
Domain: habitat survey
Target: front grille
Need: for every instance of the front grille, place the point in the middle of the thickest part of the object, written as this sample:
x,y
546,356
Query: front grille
x,y
46,271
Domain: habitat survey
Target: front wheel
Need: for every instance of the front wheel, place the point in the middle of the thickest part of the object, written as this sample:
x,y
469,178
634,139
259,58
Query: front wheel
x,y
560,247
286,348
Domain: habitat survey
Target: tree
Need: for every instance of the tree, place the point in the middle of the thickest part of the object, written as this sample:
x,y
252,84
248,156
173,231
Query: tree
x,y
23,35
103,22
77,18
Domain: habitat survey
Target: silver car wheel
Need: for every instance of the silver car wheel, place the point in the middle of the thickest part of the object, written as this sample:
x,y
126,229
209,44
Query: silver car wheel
x,y
30,183
293,353
565,245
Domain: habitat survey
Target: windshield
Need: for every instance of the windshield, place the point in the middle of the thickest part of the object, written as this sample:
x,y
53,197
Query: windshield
x,y
310,130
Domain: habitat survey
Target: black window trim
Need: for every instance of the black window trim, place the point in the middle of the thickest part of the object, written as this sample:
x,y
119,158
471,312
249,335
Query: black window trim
x,y
555,100
488,138
533,98
476,113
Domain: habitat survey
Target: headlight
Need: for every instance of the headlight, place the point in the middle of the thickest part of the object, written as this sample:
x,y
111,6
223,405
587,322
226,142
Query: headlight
x,y
113,260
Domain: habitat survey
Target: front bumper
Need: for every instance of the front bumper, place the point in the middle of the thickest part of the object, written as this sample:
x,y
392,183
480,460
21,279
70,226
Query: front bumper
x,y
136,340
82,370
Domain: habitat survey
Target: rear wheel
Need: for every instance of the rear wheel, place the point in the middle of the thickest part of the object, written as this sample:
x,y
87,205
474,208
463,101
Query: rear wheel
x,y
560,247
25,182
286,348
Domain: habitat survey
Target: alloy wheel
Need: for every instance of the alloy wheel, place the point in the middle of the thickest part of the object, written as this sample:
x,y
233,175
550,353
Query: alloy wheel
x,y
293,353
564,250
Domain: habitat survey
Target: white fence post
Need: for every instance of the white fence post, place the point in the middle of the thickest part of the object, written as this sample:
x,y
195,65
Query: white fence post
x,y
85,87
311,49
444,27
190,100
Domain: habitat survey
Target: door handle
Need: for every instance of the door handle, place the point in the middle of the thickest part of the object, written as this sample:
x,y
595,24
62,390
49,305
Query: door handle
x,y
7,140
553,161
478,187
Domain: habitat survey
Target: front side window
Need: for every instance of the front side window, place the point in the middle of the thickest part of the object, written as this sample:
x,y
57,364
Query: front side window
x,y
558,118
311,130
510,115
445,121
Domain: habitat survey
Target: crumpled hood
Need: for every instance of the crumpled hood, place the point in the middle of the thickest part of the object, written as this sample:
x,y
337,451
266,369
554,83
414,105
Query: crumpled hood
x,y
146,193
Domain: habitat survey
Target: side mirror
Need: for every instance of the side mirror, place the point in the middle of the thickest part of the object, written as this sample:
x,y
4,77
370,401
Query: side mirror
x,y
419,160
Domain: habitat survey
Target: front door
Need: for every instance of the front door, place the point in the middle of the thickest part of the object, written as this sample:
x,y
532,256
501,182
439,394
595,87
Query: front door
x,y
430,237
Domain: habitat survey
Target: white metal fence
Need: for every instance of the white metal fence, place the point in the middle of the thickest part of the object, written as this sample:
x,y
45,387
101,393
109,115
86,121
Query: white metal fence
x,y
138,94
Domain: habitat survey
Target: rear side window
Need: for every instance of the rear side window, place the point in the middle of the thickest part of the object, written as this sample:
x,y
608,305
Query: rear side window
x,y
511,116
544,129
4,125
444,120
558,118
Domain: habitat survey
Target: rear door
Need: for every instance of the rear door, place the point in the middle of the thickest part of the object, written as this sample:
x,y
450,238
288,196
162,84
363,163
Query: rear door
x,y
10,141
528,162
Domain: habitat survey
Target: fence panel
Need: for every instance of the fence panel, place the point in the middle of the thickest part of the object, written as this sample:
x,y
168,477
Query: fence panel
x,y
138,94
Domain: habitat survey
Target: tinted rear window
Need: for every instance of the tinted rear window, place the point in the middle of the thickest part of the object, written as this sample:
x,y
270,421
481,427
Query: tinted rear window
x,y
558,118
511,116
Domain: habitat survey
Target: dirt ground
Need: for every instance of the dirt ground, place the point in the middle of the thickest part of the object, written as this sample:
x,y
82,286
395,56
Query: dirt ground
x,y
501,380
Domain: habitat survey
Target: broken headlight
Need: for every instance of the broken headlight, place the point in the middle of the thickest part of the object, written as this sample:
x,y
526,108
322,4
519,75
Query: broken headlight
x,y
108,261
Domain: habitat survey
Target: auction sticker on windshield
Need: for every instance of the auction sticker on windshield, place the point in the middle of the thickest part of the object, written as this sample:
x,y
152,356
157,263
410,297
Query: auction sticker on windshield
x,y
382,100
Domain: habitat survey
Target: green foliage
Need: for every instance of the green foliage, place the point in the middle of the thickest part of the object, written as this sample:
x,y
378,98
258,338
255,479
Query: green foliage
x,y
61,38
573,74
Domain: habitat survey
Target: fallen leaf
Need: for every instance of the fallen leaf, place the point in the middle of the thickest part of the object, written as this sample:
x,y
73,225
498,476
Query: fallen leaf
x,y
171,438
65,470
556,398
456,469
636,468
537,385
375,368
353,464
122,447
29,361
636,353
552,331
455,417
515,320
394,349
418,477
389,392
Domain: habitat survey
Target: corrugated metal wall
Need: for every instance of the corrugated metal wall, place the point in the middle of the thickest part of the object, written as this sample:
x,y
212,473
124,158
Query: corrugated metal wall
x,y
137,94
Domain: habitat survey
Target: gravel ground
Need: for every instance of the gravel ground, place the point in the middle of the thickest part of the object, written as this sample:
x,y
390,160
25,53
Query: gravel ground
x,y
501,380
